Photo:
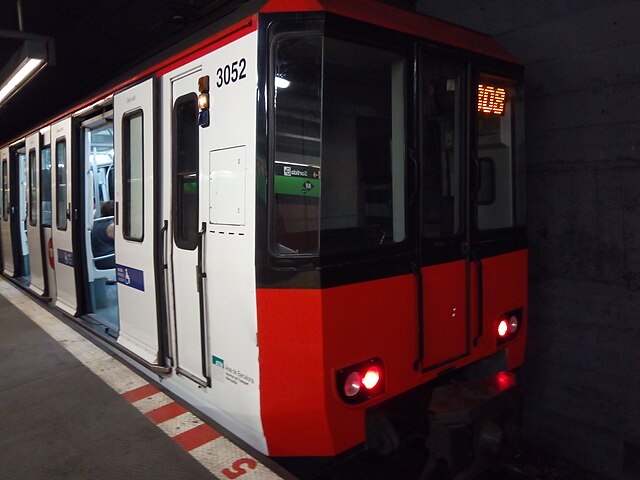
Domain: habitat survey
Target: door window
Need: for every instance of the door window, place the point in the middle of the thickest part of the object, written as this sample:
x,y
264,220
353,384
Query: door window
x,y
133,177
441,95
5,191
33,192
185,171
45,186
61,184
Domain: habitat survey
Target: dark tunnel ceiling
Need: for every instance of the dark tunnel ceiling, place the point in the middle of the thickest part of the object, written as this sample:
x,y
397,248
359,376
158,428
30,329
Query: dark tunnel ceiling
x,y
96,41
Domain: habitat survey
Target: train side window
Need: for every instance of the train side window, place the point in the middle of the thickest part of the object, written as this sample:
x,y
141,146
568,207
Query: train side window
x,y
61,184
133,176
441,99
5,191
298,99
185,171
45,186
499,139
33,192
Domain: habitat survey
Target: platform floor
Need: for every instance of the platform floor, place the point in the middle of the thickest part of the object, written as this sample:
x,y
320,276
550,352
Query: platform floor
x,y
69,410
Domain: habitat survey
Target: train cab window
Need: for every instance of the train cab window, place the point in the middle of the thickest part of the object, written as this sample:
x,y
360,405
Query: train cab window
x,y
133,176
61,184
499,173
45,186
297,93
5,191
441,99
339,150
185,171
33,189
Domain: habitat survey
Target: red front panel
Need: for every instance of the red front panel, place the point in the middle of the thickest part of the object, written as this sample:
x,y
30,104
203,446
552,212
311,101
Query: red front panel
x,y
504,289
444,313
305,336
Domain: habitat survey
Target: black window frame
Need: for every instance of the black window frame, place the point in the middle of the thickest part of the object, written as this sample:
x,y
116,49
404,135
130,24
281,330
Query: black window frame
x,y
191,242
61,141
126,174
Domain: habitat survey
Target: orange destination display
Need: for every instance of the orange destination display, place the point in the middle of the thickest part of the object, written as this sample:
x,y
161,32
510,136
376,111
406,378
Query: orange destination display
x,y
491,99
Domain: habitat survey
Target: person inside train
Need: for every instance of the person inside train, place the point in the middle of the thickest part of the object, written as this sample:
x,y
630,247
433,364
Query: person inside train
x,y
102,237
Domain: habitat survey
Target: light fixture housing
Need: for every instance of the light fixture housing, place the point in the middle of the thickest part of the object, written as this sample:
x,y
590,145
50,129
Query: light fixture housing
x,y
362,381
508,326
25,63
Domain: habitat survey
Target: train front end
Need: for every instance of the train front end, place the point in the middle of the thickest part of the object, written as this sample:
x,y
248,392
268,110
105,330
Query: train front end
x,y
392,258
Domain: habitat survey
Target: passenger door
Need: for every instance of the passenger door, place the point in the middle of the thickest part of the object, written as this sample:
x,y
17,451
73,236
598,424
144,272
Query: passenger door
x,y
445,267
34,230
134,227
186,230
63,208
5,216
498,241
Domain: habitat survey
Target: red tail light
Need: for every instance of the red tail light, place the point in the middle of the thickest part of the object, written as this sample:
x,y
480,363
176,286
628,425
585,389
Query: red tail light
x,y
361,382
371,378
509,325
503,328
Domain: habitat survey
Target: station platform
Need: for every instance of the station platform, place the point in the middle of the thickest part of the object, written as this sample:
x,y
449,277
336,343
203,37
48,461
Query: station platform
x,y
71,410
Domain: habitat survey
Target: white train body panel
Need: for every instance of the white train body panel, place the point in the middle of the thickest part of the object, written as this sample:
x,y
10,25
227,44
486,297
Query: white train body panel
x,y
34,216
226,171
135,245
62,211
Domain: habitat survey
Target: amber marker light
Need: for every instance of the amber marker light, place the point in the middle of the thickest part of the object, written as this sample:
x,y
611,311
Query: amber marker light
x,y
203,101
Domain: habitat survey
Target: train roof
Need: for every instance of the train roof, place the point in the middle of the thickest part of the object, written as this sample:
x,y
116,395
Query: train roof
x,y
394,18
245,19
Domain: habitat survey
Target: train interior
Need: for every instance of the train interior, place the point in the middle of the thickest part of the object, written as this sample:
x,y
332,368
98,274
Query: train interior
x,y
101,288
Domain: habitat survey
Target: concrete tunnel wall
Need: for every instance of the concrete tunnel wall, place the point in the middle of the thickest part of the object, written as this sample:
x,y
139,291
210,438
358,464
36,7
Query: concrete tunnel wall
x,y
582,376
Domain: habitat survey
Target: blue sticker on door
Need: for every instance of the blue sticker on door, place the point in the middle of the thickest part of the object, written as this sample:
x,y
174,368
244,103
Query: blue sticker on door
x,y
65,257
131,277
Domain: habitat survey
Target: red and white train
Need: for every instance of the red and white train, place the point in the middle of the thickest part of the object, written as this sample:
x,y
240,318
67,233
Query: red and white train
x,y
319,225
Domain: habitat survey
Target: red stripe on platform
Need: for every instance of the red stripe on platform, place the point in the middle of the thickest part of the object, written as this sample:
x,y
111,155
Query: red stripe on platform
x,y
196,437
166,412
140,393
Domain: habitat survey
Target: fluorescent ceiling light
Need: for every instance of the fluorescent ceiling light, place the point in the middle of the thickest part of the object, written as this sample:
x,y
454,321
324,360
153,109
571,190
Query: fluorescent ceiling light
x,y
22,66
19,76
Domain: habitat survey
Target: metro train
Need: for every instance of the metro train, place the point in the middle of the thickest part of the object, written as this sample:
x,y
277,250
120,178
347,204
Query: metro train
x,y
319,227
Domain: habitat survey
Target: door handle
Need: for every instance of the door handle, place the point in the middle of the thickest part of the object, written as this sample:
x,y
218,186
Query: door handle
x,y
163,234
200,274
478,263
416,171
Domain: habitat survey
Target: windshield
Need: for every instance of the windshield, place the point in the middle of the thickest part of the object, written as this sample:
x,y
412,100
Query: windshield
x,y
338,162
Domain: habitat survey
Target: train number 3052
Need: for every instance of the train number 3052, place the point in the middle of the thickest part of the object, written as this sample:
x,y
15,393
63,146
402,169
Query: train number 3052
x,y
231,73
